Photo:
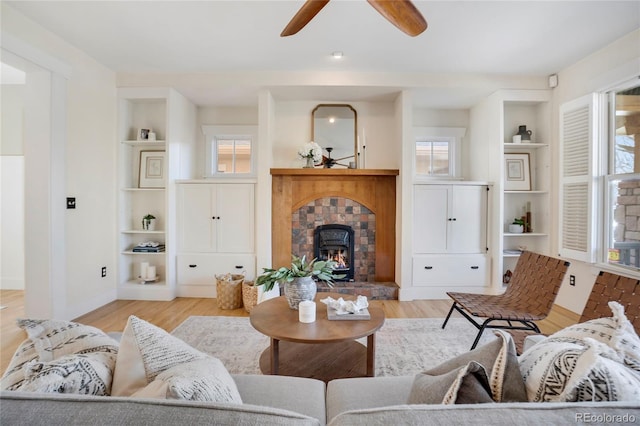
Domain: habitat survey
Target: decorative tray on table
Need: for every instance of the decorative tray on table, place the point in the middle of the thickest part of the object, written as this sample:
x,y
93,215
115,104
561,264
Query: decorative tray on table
x,y
332,315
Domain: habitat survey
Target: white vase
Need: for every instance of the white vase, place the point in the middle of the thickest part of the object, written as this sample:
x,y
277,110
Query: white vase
x,y
310,164
149,224
514,228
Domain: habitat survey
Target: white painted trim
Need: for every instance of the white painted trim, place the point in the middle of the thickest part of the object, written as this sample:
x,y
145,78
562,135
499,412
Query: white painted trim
x,y
35,55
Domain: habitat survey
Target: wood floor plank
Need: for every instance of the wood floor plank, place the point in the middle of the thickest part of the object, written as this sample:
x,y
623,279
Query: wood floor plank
x,y
168,315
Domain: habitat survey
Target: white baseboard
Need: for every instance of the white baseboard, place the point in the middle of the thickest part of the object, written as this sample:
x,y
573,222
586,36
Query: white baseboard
x,y
7,283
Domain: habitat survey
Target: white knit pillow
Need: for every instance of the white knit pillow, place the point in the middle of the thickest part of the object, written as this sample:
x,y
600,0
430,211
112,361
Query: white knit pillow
x,y
201,380
147,351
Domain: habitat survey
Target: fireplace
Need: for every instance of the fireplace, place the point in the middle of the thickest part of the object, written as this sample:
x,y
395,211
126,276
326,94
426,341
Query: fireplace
x,y
335,242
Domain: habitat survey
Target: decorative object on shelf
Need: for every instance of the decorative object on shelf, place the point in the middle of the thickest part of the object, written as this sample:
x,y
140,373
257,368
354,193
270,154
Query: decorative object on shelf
x,y
506,278
299,283
517,176
525,135
143,134
152,169
149,222
517,138
149,247
517,227
147,273
527,220
229,291
152,136
312,152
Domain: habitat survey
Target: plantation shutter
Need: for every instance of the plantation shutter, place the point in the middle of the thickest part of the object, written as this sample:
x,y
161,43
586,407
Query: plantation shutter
x,y
577,179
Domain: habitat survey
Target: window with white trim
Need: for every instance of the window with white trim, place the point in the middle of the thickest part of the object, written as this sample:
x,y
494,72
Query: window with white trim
x,y
437,152
229,150
600,178
622,189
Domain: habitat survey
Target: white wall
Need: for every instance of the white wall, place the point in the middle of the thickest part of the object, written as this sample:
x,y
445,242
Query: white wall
x,y
614,64
375,121
11,188
89,169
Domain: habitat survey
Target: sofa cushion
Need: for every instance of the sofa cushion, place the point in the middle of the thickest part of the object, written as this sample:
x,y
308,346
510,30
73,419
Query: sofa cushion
x,y
35,409
61,356
451,381
616,332
569,369
146,351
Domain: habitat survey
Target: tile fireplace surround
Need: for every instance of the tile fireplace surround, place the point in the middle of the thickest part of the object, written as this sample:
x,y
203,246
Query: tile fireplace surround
x,y
373,189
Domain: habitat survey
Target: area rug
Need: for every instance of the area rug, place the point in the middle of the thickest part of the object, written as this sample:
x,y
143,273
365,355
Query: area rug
x,y
403,346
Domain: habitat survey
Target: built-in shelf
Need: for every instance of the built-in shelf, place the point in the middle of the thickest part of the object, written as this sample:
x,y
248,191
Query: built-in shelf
x,y
526,192
153,253
525,234
524,145
136,231
154,144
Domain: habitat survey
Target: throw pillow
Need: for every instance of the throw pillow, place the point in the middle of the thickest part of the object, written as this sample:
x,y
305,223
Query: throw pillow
x,y
87,374
49,340
497,358
201,380
616,332
465,385
146,351
568,369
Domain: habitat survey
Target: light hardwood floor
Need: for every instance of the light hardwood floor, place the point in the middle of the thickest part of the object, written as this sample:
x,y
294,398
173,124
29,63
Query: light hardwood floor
x,y
168,315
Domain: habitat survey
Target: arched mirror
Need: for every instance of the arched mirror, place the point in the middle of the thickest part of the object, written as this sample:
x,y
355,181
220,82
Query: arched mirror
x,y
335,128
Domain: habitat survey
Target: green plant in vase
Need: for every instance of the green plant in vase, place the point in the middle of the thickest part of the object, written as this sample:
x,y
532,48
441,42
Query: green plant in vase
x,y
299,280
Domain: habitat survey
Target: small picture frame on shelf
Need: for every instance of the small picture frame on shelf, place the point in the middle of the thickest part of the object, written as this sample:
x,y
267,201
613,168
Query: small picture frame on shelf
x,y
143,134
152,169
517,175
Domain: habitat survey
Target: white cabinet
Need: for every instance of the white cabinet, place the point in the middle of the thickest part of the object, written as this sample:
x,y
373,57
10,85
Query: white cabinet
x,y
449,219
449,238
216,234
216,218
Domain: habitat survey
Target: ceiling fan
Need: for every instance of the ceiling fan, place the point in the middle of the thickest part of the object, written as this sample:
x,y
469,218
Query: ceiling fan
x,y
401,13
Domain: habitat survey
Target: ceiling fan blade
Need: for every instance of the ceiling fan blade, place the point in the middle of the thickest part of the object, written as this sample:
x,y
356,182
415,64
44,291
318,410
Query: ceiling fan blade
x,y
401,13
304,15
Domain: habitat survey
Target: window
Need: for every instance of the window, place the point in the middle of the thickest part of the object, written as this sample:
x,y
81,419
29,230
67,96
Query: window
x,y
229,150
622,196
437,151
432,157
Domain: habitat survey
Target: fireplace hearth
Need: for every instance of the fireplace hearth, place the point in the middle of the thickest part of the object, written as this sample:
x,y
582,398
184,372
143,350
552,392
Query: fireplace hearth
x,y
335,242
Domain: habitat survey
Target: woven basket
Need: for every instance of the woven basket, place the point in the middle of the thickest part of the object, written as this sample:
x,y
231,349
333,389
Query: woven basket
x,y
229,291
249,295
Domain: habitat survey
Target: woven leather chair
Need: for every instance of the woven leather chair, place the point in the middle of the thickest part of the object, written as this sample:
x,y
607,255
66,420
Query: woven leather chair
x,y
529,297
608,287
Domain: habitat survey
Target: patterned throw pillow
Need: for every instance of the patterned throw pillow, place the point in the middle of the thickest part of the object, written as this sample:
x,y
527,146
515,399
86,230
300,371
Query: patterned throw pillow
x,y
151,362
460,379
617,332
86,374
88,355
566,369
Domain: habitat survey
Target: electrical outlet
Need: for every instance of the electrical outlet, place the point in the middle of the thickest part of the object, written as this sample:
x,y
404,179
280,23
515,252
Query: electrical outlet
x,y
71,202
572,280
104,271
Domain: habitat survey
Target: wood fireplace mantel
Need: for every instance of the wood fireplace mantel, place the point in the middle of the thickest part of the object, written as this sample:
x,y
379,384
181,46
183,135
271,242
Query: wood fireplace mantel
x,y
374,188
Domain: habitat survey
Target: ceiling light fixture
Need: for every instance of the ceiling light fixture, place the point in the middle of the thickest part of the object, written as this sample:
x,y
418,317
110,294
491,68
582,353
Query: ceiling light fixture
x,y
337,54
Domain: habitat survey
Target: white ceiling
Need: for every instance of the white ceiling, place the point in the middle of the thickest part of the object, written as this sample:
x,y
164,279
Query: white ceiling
x,y
486,40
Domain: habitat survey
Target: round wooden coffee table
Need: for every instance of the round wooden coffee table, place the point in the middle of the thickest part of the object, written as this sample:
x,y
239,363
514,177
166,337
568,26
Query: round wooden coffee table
x,y
322,349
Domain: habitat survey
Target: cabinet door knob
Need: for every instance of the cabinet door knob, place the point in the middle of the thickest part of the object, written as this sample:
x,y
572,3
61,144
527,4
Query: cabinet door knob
x,y
475,267
193,266
214,218
428,267
239,266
